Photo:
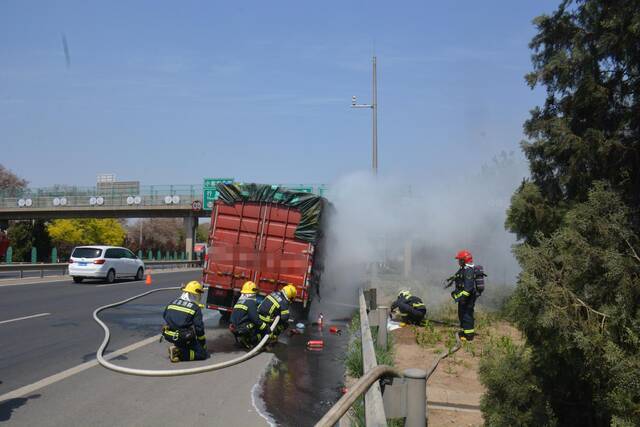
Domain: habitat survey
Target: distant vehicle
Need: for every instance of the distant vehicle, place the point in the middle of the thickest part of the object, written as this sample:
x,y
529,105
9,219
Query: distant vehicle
x,y
200,250
267,235
4,244
104,262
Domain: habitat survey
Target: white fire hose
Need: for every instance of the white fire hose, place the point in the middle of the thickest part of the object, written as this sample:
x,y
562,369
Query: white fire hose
x,y
167,372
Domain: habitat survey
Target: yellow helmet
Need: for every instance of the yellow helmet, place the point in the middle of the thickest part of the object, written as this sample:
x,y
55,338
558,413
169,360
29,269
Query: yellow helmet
x,y
249,288
194,287
290,291
404,293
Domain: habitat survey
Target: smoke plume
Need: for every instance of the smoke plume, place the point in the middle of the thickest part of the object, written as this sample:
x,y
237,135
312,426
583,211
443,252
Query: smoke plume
x,y
377,220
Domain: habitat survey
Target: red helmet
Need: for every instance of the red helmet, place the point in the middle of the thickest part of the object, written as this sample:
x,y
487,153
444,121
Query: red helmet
x,y
465,255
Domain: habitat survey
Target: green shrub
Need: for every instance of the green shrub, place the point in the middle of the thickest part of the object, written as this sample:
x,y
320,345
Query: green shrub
x,y
427,335
514,396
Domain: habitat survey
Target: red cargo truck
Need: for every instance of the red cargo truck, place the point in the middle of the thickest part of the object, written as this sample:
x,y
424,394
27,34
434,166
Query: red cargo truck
x,y
268,235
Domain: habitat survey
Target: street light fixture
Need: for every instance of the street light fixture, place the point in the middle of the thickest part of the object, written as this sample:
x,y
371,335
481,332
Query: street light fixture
x,y
374,117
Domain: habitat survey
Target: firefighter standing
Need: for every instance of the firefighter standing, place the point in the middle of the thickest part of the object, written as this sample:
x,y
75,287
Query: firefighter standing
x,y
184,326
411,308
245,324
277,303
465,294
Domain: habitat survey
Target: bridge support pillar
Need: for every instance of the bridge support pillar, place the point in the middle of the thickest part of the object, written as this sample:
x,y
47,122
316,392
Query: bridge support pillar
x,y
190,226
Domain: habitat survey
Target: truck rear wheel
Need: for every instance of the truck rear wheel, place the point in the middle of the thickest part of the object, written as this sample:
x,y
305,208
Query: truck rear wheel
x,y
298,312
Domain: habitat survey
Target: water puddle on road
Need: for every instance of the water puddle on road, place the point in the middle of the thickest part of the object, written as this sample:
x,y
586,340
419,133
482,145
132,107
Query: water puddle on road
x,y
302,385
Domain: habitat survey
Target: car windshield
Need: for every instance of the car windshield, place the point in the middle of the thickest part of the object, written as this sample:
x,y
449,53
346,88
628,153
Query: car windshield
x,y
86,253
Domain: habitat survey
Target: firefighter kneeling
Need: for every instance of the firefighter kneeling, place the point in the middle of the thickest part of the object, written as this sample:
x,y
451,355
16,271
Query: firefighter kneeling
x,y
411,308
277,303
245,324
185,328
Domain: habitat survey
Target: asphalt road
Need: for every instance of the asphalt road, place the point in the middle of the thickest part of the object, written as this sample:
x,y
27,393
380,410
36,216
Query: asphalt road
x,y
47,328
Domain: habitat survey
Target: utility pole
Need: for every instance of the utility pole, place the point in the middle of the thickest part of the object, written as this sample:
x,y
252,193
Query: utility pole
x,y
374,116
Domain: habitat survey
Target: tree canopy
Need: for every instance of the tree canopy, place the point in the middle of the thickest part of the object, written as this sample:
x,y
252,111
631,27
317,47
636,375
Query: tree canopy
x,y
587,56
10,181
578,296
73,232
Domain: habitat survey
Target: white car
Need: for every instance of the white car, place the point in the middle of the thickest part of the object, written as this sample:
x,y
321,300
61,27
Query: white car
x,y
104,262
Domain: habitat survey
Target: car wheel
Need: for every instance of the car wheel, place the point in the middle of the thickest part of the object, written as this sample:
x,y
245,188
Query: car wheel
x,y
139,274
111,276
77,279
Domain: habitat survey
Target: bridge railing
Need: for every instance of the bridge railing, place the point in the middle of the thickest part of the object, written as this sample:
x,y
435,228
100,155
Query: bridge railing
x,y
135,196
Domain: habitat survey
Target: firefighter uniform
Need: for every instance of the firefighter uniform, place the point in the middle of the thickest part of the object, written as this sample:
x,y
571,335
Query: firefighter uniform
x,y
465,295
411,308
185,329
245,323
273,305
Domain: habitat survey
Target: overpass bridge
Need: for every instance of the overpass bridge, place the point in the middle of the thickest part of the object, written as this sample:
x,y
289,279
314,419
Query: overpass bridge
x,y
119,200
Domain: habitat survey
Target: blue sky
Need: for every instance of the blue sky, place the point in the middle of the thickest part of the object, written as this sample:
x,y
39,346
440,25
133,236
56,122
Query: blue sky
x,y
170,92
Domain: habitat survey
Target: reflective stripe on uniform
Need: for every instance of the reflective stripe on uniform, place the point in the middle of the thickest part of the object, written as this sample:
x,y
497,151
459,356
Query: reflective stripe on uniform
x,y
274,304
192,355
201,337
417,304
462,293
171,333
241,307
469,331
182,309
283,312
264,318
263,326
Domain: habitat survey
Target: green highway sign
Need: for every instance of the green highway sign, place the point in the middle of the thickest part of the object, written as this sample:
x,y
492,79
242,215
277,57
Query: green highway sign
x,y
209,192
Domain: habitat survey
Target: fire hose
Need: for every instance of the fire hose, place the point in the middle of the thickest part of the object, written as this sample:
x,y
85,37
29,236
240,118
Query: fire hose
x,y
166,372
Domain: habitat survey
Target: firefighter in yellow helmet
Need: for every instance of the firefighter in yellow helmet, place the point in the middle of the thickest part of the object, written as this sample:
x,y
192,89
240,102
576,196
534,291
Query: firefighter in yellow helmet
x,y
244,323
411,308
277,303
184,327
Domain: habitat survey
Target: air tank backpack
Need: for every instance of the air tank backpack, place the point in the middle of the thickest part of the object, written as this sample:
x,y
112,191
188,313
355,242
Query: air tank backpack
x,y
479,275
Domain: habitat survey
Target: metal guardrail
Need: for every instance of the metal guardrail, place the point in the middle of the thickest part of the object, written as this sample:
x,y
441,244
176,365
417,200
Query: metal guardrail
x,y
62,267
406,398
373,405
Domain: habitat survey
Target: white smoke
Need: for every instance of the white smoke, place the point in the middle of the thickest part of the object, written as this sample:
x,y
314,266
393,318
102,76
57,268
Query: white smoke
x,y
374,218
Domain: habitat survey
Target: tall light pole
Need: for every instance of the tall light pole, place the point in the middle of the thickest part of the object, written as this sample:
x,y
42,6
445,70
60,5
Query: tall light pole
x,y
374,117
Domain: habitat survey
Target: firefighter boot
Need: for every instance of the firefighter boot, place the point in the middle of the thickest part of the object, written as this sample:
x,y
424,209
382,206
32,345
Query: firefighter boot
x,y
174,354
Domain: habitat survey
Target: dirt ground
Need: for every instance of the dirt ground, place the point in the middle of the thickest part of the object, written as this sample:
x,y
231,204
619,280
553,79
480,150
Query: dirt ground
x,y
455,382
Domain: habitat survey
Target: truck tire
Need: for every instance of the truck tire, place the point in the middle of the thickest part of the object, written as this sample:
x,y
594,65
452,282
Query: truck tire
x,y
77,279
298,312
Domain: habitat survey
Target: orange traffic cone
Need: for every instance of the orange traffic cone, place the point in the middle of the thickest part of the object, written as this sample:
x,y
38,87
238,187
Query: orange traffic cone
x,y
148,279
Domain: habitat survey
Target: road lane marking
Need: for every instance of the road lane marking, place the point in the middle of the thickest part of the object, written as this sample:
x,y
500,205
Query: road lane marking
x,y
45,280
117,284
22,391
25,318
